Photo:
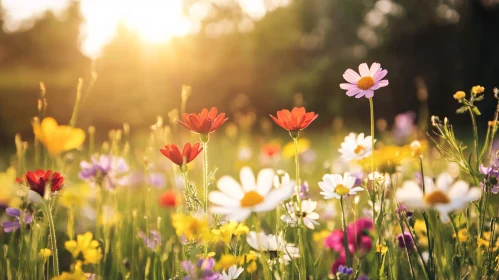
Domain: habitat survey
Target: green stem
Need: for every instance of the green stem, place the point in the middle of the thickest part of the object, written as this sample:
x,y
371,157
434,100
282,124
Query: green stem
x,y
301,240
205,177
431,263
76,108
422,174
53,238
406,249
371,106
345,234
475,136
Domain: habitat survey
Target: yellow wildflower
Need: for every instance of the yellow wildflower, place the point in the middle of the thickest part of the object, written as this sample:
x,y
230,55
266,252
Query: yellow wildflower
x,y
389,157
45,253
462,235
381,249
459,95
57,138
225,262
77,275
190,227
8,196
319,237
85,245
75,196
250,260
288,151
420,229
485,242
226,231
477,89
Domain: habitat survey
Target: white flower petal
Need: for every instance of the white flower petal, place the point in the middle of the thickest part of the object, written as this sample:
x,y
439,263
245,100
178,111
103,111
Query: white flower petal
x,y
247,179
351,76
220,198
364,70
231,187
374,68
264,181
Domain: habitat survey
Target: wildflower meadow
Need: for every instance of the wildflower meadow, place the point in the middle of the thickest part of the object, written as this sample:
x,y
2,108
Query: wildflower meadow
x,y
201,196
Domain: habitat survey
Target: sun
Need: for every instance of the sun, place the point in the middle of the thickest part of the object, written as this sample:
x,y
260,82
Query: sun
x,y
155,21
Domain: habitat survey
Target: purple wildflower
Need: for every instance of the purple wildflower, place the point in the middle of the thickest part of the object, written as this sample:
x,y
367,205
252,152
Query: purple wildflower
x,y
203,270
304,191
16,224
363,277
154,179
105,171
404,127
345,270
152,241
405,241
490,177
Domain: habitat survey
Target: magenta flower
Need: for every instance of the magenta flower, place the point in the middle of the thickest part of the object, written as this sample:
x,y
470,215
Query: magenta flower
x,y
366,83
358,234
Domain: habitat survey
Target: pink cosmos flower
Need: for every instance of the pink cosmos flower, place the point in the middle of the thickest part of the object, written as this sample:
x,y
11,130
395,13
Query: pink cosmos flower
x,y
369,80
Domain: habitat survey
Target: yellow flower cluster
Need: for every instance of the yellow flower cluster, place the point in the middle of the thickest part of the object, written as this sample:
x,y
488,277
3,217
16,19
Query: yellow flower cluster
x,y
486,243
77,274
477,89
228,230
462,235
228,260
190,227
57,138
389,157
459,95
45,253
85,244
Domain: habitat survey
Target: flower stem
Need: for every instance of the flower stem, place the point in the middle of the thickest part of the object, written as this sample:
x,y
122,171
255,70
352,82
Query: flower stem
x,y
345,234
422,174
301,240
53,239
205,177
371,106
475,135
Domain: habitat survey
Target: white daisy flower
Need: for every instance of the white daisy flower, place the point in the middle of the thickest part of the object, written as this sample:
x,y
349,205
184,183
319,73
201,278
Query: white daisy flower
x,y
443,195
276,248
238,201
336,186
232,273
356,146
307,214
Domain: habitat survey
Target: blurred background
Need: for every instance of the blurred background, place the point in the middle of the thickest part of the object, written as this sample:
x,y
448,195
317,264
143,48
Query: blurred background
x,y
241,56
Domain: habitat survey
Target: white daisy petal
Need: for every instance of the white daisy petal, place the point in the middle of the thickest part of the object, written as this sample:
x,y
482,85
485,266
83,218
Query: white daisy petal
x,y
347,86
382,83
231,187
247,179
265,181
222,199
374,69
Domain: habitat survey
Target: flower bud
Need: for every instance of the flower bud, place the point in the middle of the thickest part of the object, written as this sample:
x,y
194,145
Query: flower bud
x,y
435,120
416,148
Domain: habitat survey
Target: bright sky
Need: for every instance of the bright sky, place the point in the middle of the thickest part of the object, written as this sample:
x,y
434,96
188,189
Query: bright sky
x,y
156,21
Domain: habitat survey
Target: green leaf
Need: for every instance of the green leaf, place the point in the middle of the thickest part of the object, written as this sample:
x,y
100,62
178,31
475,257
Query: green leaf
x,y
479,98
461,110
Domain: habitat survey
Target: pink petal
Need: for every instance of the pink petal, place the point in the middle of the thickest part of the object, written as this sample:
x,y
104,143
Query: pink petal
x,y
351,76
361,94
374,68
347,86
382,83
369,93
375,87
380,75
364,70
353,91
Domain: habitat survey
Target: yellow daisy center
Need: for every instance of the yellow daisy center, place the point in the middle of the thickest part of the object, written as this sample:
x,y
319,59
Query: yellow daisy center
x,y
341,189
359,149
251,198
365,83
436,197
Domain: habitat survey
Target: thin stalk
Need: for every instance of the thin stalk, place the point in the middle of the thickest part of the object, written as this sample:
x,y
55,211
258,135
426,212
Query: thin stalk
x,y
259,242
53,240
205,177
475,135
430,247
345,234
371,105
422,174
301,240
76,108
406,249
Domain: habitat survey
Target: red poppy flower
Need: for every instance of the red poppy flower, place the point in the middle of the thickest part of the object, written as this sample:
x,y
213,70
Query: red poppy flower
x,y
38,180
188,154
297,119
205,122
168,199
